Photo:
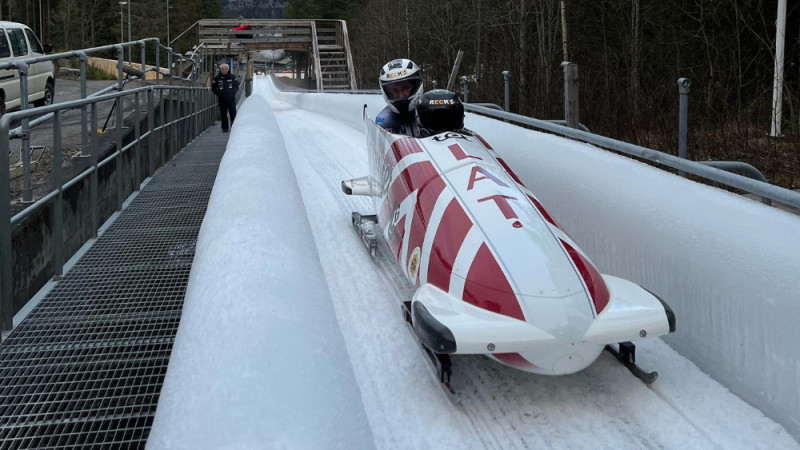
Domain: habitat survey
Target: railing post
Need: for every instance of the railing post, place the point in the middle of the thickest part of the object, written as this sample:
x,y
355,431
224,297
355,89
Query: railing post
x,y
465,88
571,109
204,104
144,67
190,98
6,256
179,124
158,61
58,207
27,185
137,148
507,90
187,111
93,182
193,107
84,131
199,110
151,143
187,115
162,118
169,64
684,86
120,128
172,131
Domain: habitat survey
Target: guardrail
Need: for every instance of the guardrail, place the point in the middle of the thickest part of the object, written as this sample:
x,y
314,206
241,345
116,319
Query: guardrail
x,y
761,188
191,110
22,65
723,172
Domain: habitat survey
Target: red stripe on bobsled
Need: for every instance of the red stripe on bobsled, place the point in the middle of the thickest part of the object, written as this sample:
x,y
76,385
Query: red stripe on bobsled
x,y
544,212
515,360
411,178
487,287
594,281
509,171
459,152
447,242
405,146
482,141
426,200
396,237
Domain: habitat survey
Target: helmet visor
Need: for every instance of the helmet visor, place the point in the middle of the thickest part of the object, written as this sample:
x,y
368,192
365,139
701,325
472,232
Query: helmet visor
x,y
440,119
401,89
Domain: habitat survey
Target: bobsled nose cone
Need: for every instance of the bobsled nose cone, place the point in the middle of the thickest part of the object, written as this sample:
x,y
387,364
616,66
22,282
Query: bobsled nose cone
x,y
568,364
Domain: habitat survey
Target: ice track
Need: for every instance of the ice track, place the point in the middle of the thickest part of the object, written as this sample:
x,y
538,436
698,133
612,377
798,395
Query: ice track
x,y
601,407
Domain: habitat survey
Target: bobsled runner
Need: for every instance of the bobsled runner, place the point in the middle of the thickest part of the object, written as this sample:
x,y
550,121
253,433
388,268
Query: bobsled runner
x,y
493,272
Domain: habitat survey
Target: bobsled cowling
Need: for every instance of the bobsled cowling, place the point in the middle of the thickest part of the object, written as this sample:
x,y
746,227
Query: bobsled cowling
x,y
494,273
632,314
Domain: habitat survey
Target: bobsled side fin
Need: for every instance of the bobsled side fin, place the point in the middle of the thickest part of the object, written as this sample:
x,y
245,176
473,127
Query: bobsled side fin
x,y
357,186
668,310
632,313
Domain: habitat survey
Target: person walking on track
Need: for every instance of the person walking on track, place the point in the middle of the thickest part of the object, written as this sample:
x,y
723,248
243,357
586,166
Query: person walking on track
x,y
224,86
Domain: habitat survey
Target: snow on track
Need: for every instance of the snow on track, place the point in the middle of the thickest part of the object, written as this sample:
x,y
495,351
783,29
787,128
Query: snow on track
x,y
603,406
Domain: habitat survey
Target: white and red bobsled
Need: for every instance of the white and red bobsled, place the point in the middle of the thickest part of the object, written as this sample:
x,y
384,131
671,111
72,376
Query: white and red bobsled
x,y
494,273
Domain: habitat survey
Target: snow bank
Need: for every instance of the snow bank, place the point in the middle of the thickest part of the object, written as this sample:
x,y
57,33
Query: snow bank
x,y
728,266
259,360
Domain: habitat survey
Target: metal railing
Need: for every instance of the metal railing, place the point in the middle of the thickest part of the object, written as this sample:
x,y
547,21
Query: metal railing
x,y
761,188
191,110
22,65
720,172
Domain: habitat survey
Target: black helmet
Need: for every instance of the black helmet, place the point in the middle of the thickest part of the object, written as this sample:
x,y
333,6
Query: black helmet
x,y
438,111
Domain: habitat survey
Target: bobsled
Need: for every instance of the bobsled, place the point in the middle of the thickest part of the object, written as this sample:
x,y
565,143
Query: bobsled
x,y
493,272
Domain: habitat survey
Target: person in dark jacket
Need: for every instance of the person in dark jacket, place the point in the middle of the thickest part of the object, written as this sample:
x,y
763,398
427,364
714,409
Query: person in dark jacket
x,y
224,86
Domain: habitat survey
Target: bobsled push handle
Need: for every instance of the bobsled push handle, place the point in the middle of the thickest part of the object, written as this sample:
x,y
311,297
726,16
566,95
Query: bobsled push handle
x,y
364,112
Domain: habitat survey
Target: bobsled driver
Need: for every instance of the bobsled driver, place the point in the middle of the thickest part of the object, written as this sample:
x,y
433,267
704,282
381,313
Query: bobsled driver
x,y
401,83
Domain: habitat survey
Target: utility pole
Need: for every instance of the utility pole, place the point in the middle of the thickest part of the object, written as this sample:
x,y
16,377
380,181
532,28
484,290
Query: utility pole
x,y
130,58
777,89
122,22
478,47
408,35
564,36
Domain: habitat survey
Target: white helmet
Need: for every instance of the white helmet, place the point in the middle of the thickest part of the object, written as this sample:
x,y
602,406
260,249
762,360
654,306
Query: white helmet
x,y
396,72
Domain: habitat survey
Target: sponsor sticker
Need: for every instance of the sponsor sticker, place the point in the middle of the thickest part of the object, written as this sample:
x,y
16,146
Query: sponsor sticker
x,y
413,265
396,74
449,135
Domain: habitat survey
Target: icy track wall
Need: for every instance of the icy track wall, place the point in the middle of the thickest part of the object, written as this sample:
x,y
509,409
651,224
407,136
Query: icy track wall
x,y
728,266
259,360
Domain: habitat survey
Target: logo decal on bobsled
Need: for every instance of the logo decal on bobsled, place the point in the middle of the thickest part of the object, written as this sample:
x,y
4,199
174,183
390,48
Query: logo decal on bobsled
x,y
413,265
446,136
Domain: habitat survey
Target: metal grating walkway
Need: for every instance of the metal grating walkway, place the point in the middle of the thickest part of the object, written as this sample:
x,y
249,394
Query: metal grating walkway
x,y
85,368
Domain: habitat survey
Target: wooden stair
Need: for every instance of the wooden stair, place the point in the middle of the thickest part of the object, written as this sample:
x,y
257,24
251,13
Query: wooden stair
x,y
326,42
